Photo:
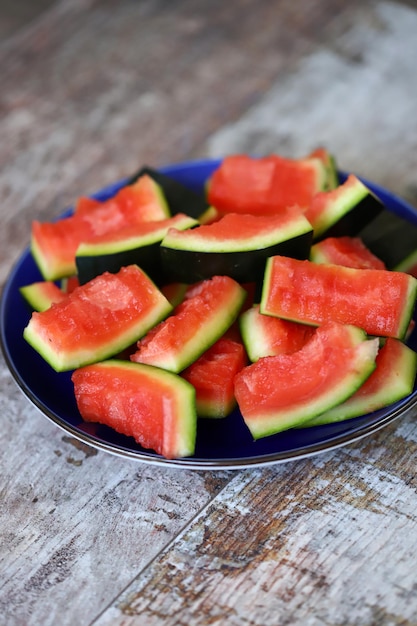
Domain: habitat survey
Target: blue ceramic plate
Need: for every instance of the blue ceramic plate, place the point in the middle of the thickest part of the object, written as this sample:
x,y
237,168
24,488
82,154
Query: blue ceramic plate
x,y
224,443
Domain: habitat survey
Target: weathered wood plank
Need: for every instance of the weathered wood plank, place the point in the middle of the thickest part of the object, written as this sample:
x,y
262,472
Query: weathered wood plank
x,y
89,92
356,95
76,524
96,90
329,540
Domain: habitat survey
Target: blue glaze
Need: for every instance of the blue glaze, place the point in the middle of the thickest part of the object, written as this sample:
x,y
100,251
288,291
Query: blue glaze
x,y
224,443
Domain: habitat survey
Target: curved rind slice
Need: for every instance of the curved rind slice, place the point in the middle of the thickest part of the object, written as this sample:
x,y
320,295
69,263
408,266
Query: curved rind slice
x,y
155,407
42,294
54,244
344,210
265,335
280,392
137,244
379,301
97,320
196,324
392,380
237,245
347,251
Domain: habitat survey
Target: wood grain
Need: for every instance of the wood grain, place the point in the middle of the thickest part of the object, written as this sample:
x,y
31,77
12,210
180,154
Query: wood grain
x,y
325,540
97,89
356,95
91,90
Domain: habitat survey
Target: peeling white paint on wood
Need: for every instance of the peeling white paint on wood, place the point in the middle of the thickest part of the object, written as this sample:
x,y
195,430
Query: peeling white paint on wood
x,y
332,552
90,539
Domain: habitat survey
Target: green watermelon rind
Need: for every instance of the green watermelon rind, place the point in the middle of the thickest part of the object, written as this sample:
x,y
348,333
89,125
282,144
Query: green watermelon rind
x,y
408,310
404,317
396,387
38,295
184,394
95,257
214,326
274,421
344,205
407,263
84,356
193,241
254,339
245,267
192,256
98,248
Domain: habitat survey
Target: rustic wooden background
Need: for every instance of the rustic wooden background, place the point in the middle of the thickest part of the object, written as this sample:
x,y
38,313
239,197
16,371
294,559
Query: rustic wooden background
x,y
90,90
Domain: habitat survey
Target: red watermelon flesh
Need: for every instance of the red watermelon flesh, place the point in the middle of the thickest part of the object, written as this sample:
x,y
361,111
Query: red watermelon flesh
x,y
54,244
97,319
279,392
392,380
265,335
243,184
379,301
212,375
347,251
84,204
153,406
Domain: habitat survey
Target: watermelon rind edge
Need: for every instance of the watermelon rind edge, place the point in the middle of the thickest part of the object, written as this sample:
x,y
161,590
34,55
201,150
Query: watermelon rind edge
x,y
275,421
396,388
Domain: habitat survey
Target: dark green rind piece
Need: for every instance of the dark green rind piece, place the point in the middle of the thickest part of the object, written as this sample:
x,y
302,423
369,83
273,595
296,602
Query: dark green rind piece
x,y
391,238
92,259
180,198
349,213
248,266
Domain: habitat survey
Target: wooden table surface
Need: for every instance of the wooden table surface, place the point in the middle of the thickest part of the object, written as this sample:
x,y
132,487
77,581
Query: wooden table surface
x,y
91,90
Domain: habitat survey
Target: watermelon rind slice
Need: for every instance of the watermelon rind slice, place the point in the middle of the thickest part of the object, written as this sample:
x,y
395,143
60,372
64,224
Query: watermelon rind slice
x,y
345,210
223,236
379,301
155,407
41,295
78,320
237,245
185,335
396,384
139,244
339,377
